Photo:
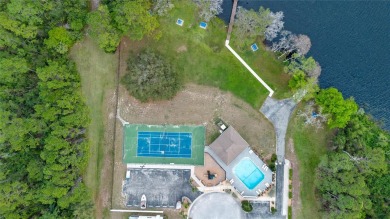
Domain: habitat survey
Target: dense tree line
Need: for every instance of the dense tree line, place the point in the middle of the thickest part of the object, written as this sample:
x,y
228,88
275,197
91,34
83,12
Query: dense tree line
x,y
117,18
353,177
43,149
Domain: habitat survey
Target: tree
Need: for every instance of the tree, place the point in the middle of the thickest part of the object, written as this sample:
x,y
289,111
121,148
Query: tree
x,y
343,191
101,29
59,40
297,81
285,42
133,18
246,206
28,12
362,133
161,7
209,8
300,63
339,110
291,43
379,194
301,44
17,27
150,77
275,27
43,150
251,23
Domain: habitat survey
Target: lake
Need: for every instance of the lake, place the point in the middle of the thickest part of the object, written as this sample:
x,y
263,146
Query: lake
x,y
350,40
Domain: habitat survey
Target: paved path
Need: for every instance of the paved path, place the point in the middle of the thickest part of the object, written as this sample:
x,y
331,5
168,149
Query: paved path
x,y
279,112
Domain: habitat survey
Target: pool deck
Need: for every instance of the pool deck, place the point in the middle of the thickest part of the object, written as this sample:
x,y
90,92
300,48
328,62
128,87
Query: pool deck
x,y
237,183
210,165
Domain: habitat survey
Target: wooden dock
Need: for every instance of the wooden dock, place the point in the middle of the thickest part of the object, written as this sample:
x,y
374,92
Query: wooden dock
x,y
234,10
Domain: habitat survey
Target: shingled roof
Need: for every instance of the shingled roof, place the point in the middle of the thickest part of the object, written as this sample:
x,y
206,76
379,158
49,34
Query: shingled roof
x,y
229,145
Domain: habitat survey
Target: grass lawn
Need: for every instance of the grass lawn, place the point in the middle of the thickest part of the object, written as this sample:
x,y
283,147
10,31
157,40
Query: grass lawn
x,y
200,56
309,146
97,70
265,64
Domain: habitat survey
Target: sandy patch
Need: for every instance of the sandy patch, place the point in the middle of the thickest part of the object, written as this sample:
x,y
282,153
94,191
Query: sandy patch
x,y
181,49
296,183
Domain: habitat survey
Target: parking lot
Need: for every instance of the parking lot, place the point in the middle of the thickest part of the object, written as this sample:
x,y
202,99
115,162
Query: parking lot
x,y
162,187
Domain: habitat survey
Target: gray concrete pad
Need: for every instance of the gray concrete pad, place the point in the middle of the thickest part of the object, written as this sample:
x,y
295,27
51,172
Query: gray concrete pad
x,y
262,210
216,205
279,112
162,187
279,188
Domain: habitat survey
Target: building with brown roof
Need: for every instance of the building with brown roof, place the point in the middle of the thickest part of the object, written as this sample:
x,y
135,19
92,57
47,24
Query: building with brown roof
x,y
229,145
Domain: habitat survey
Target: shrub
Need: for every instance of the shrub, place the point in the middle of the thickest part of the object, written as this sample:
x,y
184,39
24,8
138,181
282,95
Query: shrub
x,y
246,206
271,163
290,195
273,210
274,158
150,77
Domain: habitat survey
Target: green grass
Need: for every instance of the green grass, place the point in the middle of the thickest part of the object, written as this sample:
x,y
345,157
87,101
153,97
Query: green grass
x,y
97,70
309,146
206,60
264,63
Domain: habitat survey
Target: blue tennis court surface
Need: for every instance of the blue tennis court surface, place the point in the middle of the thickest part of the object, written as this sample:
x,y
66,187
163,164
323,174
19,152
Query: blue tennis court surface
x,y
164,144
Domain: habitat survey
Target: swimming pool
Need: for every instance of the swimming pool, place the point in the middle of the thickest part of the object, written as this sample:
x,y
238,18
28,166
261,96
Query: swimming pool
x,y
248,173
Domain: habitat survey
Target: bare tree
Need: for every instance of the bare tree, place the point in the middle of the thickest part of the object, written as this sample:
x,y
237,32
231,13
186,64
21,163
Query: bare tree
x,y
250,23
301,44
315,72
209,8
275,27
313,119
285,43
161,7
291,43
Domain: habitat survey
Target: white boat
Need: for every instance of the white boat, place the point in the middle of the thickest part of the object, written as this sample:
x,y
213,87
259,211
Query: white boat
x,y
143,202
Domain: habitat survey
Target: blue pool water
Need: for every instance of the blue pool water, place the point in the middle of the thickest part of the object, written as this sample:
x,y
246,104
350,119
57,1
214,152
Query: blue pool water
x,y
203,25
164,144
248,173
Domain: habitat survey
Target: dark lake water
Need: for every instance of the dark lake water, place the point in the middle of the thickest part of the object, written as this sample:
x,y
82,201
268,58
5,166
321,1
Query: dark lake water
x,y
350,40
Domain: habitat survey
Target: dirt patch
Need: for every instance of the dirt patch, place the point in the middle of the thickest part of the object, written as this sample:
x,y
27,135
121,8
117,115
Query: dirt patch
x,y
296,183
181,49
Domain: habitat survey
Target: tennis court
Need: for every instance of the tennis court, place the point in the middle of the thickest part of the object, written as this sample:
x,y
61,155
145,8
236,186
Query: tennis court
x,y
164,144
